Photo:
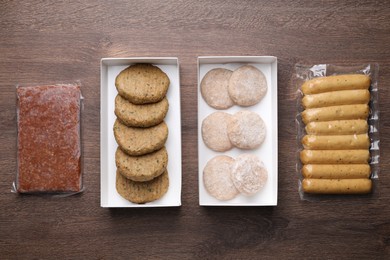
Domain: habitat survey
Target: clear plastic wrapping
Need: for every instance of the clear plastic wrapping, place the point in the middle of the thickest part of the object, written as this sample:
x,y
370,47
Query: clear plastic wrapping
x,y
49,146
308,72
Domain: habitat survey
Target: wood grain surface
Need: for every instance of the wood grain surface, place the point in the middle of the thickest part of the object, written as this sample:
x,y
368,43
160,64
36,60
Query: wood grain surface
x,y
47,42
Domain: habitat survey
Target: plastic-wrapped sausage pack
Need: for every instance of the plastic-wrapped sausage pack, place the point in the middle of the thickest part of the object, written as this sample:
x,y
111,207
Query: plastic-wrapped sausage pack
x,y
338,134
49,156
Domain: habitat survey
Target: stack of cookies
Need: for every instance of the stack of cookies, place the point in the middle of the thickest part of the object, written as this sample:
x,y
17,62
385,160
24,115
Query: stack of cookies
x,y
141,133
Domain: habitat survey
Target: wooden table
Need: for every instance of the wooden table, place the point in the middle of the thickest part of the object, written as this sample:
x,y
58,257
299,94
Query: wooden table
x,y
44,42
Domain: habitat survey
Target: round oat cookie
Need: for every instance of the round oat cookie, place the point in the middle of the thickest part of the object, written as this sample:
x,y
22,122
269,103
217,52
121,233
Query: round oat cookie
x,y
139,141
247,86
142,84
140,115
142,192
215,133
214,88
217,178
246,130
141,168
249,174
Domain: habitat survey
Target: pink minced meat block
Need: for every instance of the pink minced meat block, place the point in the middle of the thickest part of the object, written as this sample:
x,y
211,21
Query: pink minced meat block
x,y
49,147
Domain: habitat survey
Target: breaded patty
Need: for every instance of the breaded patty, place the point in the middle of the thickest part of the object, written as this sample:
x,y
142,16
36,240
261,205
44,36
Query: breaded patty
x,y
140,115
142,192
139,141
141,168
142,83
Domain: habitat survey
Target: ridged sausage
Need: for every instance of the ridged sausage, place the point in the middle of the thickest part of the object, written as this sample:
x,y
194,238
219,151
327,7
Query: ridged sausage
x,y
336,171
333,83
336,142
335,113
334,156
338,127
336,98
337,186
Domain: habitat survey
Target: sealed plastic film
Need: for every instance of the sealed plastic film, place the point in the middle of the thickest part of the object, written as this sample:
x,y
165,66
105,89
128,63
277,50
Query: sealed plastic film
x,y
337,130
49,147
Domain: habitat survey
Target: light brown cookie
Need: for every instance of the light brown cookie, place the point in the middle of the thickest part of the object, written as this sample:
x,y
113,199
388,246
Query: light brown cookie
x,y
215,131
214,88
246,130
217,178
139,141
247,86
140,115
142,84
142,192
249,174
141,168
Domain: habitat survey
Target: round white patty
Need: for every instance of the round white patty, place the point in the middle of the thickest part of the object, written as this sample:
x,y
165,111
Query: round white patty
x,y
247,86
246,130
249,174
217,178
215,132
214,88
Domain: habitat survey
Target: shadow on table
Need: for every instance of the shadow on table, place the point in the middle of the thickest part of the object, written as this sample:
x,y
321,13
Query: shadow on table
x,y
143,212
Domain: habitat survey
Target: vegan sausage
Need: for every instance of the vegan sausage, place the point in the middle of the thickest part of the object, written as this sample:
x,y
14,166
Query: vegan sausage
x,y
338,127
336,142
334,83
337,186
335,98
335,113
334,156
336,171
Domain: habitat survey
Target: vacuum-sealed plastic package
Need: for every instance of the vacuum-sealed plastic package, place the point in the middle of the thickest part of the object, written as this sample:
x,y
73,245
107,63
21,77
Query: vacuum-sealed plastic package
x,y
337,130
49,148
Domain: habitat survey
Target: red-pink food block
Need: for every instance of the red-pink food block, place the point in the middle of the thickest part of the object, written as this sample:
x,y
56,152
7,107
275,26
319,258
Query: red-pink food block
x,y
49,145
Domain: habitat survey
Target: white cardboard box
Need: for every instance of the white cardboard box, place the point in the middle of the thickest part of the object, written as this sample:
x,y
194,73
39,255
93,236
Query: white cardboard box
x,y
109,69
268,110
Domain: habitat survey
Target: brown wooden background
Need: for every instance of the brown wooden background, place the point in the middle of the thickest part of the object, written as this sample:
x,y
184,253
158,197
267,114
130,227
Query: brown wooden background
x,y
42,42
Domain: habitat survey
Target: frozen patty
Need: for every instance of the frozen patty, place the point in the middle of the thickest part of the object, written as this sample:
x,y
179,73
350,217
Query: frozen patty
x,y
247,86
217,178
214,88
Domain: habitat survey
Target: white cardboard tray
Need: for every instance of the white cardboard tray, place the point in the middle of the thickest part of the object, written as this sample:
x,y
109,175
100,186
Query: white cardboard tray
x,y
109,69
267,109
